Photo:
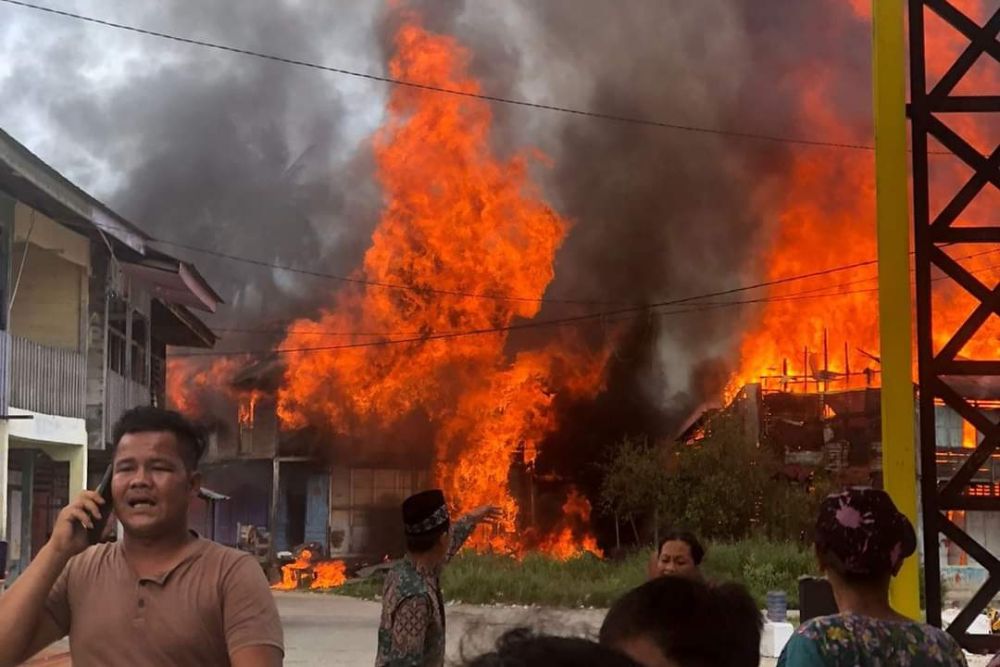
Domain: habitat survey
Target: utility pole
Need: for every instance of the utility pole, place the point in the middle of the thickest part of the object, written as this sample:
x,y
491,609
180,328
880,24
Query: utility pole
x,y
899,468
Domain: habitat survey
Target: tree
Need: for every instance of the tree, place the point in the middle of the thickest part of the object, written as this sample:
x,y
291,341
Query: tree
x,y
635,483
723,487
715,485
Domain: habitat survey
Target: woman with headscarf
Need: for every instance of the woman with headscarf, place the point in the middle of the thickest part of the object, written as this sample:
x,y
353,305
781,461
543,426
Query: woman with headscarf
x,y
861,543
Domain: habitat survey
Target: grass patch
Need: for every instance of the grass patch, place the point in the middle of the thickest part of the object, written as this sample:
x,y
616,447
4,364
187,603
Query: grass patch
x,y
587,581
761,566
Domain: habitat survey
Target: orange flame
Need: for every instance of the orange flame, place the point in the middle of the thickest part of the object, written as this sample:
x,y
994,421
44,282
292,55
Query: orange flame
x,y
247,412
572,537
290,573
827,219
329,574
461,220
190,380
325,574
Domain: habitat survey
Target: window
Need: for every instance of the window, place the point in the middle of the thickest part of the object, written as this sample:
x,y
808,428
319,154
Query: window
x,y
117,342
140,360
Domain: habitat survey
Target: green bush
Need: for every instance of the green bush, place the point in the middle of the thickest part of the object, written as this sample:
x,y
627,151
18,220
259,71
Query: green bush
x,y
587,581
761,566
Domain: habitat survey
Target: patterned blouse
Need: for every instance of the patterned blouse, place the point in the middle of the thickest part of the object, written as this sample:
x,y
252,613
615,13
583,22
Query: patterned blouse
x,y
411,632
850,640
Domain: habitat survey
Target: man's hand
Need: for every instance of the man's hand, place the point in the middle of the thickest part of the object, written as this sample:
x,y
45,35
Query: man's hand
x,y
69,534
486,514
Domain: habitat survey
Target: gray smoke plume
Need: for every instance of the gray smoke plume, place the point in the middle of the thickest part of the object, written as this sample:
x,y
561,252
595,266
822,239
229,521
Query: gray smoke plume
x,y
210,149
272,161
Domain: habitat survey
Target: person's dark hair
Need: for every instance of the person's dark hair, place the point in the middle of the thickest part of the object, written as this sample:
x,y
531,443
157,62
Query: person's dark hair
x,y
862,536
522,648
424,542
830,562
690,622
149,419
697,550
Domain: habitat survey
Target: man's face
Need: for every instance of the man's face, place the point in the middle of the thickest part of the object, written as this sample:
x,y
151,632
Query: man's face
x,y
675,560
151,486
441,548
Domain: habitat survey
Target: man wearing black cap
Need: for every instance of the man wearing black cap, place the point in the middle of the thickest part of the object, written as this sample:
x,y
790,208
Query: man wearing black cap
x,y
411,633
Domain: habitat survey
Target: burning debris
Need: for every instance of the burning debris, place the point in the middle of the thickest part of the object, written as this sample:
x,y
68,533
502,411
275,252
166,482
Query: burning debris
x,y
308,570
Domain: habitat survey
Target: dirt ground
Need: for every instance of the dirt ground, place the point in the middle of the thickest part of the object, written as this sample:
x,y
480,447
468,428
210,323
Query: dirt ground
x,y
333,631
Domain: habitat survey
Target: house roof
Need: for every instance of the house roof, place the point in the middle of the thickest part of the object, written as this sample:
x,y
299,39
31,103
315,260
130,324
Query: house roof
x,y
176,325
174,282
34,182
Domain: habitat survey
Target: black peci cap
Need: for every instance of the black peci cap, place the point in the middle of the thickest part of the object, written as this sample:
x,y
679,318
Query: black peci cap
x,y
425,512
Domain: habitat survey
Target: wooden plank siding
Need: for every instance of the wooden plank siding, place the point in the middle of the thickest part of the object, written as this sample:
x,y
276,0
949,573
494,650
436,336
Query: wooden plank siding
x,y
49,380
122,394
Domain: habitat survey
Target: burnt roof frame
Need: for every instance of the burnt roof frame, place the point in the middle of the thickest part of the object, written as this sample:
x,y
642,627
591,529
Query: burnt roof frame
x,y
930,234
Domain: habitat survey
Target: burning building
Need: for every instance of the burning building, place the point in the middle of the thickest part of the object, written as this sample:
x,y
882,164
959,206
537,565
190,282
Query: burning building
x,y
432,363
825,425
439,388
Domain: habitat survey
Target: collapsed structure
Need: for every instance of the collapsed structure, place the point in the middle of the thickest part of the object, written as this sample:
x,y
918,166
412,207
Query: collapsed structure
x,y
829,423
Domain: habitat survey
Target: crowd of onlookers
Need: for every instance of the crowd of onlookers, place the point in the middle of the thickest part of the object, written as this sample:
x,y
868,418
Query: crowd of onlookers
x,y
162,596
677,619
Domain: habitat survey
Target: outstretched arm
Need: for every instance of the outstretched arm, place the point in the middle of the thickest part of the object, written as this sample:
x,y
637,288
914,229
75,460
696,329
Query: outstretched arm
x,y
462,529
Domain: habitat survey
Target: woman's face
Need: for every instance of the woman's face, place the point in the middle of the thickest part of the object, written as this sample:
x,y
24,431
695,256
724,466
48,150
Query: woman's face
x,y
675,560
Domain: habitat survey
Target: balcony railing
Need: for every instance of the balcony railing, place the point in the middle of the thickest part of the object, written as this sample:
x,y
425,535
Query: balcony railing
x,y
46,379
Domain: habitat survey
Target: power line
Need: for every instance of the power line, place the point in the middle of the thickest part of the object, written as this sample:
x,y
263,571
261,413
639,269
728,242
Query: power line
x,y
377,283
632,120
696,302
497,297
822,292
557,321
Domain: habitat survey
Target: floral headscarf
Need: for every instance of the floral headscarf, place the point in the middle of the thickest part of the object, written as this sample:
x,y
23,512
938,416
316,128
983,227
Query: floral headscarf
x,y
864,532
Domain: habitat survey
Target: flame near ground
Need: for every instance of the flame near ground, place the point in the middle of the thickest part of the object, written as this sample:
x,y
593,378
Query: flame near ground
x,y
321,575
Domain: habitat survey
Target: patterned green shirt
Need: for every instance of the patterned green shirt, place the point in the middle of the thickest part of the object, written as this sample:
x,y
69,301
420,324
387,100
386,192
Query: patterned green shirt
x,y
411,632
849,640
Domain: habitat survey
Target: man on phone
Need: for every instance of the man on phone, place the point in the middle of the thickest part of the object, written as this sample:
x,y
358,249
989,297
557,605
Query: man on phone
x,y
161,595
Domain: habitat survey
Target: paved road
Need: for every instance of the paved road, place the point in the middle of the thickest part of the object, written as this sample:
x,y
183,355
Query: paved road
x,y
331,631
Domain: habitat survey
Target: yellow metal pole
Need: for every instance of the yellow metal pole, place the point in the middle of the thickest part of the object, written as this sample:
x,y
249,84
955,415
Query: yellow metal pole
x,y
892,211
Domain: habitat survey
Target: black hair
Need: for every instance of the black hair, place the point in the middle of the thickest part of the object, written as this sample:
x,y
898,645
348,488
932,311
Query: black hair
x,y
149,419
424,542
830,561
692,623
522,648
697,550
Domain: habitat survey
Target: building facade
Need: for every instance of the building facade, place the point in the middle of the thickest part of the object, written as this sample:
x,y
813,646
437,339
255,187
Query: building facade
x,y
87,310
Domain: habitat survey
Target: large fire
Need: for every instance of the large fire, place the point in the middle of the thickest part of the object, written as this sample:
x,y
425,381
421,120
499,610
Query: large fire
x,y
459,219
827,219
190,380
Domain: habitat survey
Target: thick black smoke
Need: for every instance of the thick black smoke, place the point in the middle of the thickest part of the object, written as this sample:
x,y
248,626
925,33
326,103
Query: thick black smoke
x,y
272,161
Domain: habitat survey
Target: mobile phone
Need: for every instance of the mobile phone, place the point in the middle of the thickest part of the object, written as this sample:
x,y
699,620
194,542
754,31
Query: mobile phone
x,y
103,488
3,560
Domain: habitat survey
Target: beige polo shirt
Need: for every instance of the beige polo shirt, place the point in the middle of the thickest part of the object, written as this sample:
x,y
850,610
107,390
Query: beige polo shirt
x,y
214,601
